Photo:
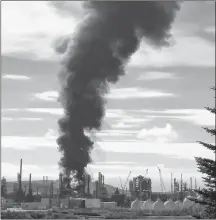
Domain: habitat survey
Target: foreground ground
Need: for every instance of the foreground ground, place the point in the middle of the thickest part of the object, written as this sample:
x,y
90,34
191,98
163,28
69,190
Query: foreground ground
x,y
81,214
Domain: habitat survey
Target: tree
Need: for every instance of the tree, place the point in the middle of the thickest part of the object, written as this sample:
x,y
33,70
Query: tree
x,y
208,167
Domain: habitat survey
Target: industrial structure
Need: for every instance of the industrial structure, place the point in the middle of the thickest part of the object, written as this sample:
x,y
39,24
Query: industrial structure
x,y
140,186
60,193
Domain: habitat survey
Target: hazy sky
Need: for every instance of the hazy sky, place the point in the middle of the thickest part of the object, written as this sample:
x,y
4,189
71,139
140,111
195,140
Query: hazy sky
x,y
155,113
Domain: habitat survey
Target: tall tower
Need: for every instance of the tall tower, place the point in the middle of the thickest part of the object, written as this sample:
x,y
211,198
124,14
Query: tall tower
x,y
171,183
20,176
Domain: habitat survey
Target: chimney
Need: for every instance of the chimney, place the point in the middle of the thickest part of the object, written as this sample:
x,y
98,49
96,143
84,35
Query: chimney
x,y
191,183
97,189
60,180
20,176
181,188
99,179
30,185
43,180
88,186
103,180
171,183
195,184
44,184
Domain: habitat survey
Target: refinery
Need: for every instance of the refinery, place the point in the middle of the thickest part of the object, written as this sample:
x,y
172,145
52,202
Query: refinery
x,y
49,195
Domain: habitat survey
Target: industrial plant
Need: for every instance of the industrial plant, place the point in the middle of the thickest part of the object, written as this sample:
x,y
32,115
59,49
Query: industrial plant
x,y
47,194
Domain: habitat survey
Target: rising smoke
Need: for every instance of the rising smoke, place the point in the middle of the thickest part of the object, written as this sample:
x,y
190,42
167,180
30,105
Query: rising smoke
x,y
97,55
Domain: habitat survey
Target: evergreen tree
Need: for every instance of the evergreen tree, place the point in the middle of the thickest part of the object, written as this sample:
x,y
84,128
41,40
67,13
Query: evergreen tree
x,y
208,167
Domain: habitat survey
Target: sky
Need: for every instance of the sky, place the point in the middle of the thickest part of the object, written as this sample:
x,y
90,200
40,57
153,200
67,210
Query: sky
x,y
154,114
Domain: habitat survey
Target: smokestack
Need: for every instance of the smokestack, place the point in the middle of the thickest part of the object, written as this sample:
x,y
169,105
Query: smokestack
x,y
171,183
96,189
88,187
60,180
96,56
44,185
51,189
99,179
103,180
191,183
20,176
30,185
195,184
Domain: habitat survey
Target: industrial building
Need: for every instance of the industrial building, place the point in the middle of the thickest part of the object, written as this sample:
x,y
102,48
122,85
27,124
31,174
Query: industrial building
x,y
140,186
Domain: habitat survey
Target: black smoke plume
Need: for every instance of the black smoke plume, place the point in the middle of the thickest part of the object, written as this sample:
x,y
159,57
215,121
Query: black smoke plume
x,y
97,55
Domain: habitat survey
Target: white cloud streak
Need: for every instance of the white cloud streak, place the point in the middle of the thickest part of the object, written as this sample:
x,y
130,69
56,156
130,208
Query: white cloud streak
x,y
21,119
152,75
131,93
16,77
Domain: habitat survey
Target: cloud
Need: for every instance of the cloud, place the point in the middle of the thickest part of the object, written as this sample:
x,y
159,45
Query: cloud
x,y
68,8
15,77
196,116
52,111
198,53
131,93
31,27
27,143
156,134
121,93
51,134
21,119
47,96
122,125
180,150
151,75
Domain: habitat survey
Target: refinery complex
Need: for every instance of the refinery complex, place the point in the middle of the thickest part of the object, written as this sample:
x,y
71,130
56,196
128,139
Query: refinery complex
x,y
47,194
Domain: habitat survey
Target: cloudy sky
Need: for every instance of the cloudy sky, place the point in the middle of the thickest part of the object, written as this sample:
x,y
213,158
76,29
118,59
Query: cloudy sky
x,y
155,113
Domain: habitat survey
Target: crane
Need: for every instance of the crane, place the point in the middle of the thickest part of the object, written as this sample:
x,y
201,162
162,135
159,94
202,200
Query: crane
x,y
127,179
124,187
163,188
121,184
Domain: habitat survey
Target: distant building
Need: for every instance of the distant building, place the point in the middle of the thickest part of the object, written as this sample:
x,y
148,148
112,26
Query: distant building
x,y
140,186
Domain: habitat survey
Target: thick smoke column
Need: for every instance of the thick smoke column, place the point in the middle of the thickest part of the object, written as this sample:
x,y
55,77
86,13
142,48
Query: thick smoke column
x,y
95,56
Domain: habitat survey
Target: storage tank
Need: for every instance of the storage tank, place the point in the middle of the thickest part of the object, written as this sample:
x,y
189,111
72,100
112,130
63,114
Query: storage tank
x,y
147,205
187,203
197,207
179,205
158,206
170,205
136,205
